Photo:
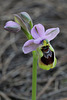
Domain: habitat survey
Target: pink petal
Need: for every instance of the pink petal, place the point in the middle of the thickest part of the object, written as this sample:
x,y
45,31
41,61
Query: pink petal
x,y
38,40
12,26
51,33
38,31
29,46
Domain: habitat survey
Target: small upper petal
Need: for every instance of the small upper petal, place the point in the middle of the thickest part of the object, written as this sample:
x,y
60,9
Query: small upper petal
x,y
38,31
51,33
29,46
12,26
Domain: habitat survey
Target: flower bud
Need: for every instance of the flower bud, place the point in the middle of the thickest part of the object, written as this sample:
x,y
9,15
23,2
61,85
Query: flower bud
x,y
25,16
20,22
12,26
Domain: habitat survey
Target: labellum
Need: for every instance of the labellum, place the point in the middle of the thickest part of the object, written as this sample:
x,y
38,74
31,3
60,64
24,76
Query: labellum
x,y
47,58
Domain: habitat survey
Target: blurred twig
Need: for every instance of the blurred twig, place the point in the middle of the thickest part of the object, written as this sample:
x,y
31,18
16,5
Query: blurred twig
x,y
21,97
55,92
7,43
3,95
7,62
12,35
50,81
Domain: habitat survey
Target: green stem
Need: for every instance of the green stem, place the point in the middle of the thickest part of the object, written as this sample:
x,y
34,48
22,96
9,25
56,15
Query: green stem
x,y
34,75
31,24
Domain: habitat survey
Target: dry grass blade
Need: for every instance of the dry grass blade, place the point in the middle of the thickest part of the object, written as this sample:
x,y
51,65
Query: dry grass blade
x,y
55,92
63,99
7,43
7,62
14,44
50,81
3,37
19,69
3,95
20,97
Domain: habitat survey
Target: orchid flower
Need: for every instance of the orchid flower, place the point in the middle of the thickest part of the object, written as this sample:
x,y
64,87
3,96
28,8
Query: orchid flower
x,y
40,42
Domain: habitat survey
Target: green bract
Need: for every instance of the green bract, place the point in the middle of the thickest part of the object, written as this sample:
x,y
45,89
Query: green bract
x,y
23,26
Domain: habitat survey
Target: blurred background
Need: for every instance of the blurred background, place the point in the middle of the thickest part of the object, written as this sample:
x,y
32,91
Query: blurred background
x,y
16,67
